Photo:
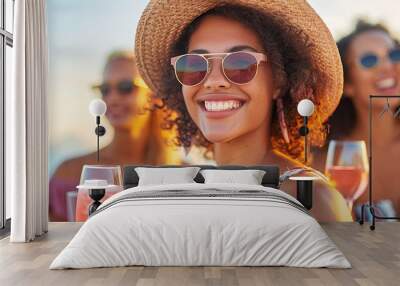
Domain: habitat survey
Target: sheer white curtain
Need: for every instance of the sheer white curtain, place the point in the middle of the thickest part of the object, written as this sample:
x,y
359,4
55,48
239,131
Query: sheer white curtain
x,y
26,123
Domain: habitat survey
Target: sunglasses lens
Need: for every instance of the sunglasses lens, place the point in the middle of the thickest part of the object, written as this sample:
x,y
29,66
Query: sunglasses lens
x,y
240,67
125,87
369,61
104,89
395,56
191,69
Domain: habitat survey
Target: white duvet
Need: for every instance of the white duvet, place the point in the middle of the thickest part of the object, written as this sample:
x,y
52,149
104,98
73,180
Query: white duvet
x,y
188,231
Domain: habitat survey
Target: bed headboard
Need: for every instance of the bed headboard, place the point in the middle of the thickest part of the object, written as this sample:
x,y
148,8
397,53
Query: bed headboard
x,y
270,179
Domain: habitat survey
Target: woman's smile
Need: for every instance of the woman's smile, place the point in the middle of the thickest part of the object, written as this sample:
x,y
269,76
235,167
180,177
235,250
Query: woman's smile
x,y
218,106
381,79
387,85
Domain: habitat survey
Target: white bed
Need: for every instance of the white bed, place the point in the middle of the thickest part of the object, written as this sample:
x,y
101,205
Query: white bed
x,y
201,224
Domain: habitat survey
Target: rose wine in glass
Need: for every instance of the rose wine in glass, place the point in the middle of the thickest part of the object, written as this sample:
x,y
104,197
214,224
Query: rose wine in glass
x,y
347,167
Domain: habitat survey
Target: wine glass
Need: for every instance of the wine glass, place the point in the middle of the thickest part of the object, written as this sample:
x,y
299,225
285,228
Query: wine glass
x,y
347,167
111,173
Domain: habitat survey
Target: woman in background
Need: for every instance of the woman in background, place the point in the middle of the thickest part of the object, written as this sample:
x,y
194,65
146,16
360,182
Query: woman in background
x,y
371,63
138,137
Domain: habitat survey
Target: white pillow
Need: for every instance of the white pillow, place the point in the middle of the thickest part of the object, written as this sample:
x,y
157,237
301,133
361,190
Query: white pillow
x,y
248,177
163,176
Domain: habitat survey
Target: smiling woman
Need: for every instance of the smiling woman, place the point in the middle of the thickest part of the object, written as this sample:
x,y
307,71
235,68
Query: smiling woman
x,y
371,62
240,104
209,103
234,73
138,137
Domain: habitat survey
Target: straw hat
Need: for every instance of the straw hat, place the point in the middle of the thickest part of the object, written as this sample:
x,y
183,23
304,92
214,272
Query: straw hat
x,y
163,21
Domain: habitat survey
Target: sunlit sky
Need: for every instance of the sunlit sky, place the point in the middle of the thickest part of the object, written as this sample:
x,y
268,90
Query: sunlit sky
x,y
82,33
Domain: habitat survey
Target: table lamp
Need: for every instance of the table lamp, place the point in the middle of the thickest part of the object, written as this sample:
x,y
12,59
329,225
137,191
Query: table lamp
x,y
305,108
97,108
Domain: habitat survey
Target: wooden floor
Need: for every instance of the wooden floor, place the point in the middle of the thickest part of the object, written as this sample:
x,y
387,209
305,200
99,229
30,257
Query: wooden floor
x,y
375,257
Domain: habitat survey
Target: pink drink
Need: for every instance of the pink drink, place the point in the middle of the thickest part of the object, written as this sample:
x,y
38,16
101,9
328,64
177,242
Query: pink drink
x,y
350,181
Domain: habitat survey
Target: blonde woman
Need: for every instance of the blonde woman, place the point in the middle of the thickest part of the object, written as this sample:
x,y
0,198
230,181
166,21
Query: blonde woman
x,y
138,137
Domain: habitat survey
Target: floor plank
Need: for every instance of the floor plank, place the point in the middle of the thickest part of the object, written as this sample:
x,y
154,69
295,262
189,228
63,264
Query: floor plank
x,y
374,255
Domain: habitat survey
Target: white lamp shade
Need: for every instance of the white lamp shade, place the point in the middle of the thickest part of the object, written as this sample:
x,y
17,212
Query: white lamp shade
x,y
305,107
97,107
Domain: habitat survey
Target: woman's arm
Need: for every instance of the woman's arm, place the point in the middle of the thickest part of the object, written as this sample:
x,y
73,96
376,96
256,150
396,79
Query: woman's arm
x,y
328,204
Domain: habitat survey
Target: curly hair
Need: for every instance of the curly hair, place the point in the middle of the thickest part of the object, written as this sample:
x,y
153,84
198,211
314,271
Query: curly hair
x,y
344,119
294,77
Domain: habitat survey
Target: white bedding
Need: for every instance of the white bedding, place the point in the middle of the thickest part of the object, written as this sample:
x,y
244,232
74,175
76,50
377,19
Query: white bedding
x,y
188,230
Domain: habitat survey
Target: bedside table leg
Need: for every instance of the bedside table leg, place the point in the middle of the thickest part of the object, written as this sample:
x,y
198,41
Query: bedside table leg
x,y
305,193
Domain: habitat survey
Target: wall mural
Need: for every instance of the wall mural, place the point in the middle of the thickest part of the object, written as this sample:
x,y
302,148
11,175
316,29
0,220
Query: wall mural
x,y
235,108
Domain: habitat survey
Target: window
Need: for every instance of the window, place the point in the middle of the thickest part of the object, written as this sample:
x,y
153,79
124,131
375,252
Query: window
x,y
6,43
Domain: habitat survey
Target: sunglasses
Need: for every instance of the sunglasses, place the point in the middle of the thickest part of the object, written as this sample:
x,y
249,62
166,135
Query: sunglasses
x,y
123,87
238,67
371,60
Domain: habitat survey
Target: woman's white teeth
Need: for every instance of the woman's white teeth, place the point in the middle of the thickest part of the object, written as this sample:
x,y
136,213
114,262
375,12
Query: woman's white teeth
x,y
221,105
386,83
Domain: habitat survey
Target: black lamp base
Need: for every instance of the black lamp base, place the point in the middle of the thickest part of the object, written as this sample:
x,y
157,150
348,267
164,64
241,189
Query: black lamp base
x,y
96,195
